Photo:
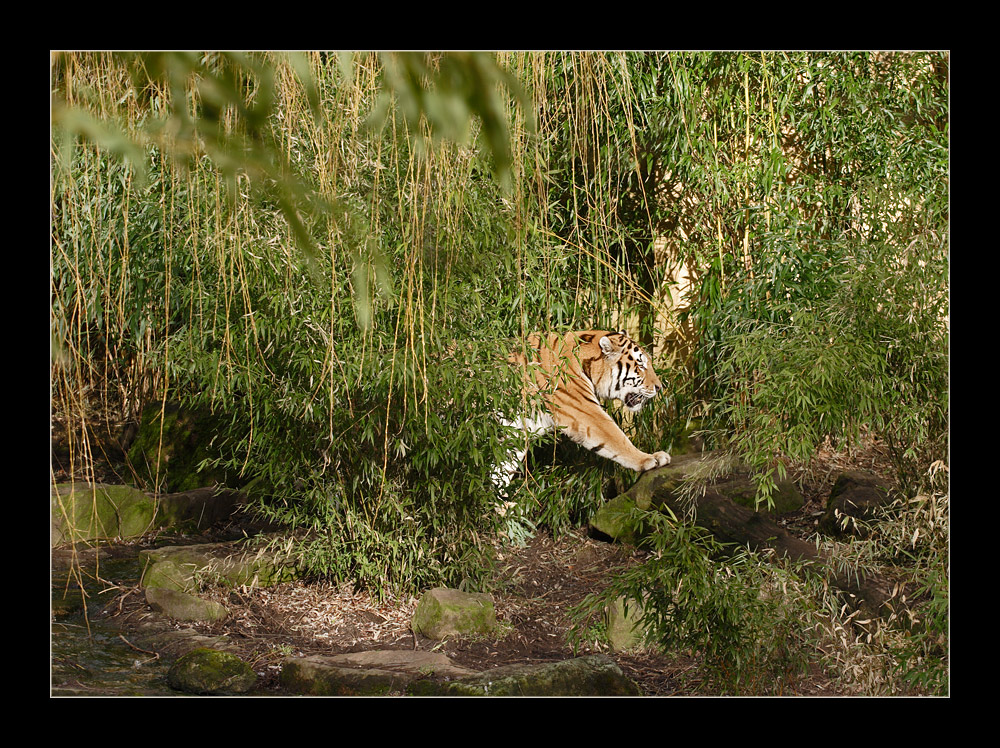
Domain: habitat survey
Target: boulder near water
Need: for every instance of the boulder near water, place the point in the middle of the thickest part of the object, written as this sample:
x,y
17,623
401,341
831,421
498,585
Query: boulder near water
x,y
209,671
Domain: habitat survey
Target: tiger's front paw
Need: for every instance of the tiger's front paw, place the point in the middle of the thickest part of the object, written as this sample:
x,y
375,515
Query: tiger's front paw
x,y
655,460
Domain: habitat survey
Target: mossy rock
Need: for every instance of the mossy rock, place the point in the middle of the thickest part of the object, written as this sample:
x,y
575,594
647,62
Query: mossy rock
x,y
170,575
303,678
182,606
593,675
853,501
624,629
368,673
444,612
186,568
211,671
785,498
84,512
616,518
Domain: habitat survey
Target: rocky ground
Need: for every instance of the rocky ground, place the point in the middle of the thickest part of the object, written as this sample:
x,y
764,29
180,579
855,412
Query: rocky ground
x,y
537,587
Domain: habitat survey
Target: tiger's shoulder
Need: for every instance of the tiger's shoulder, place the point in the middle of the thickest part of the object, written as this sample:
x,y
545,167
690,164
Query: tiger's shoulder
x,y
586,353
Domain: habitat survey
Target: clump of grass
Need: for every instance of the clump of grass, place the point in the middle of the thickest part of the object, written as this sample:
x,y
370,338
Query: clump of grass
x,y
743,617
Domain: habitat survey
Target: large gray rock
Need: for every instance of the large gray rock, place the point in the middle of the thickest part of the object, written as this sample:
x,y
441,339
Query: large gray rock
x,y
86,512
665,485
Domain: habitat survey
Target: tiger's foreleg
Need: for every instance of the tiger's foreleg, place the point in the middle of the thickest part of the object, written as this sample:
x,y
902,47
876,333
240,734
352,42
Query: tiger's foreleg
x,y
603,436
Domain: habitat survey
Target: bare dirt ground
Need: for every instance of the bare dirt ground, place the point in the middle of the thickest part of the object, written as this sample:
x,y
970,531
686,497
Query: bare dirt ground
x,y
540,584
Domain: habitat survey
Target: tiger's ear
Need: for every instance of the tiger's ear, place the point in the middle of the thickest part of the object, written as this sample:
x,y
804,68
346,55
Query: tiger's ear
x,y
609,349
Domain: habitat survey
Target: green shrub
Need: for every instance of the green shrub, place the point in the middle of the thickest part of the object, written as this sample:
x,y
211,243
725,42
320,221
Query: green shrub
x,y
298,244
868,356
732,610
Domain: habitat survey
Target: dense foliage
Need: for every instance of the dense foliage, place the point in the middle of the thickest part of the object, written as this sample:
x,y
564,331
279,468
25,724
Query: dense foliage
x,y
334,252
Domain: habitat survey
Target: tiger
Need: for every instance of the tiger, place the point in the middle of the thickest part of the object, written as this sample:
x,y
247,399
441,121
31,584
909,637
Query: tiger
x,y
572,374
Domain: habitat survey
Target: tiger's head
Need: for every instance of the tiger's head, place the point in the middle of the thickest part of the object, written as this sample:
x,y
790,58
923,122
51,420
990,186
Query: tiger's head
x,y
624,372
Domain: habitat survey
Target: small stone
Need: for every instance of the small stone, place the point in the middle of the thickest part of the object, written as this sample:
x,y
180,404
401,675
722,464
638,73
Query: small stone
x,y
444,612
624,626
211,671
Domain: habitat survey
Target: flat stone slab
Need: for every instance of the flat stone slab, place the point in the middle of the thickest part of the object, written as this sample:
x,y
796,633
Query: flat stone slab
x,y
415,661
377,672
172,639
